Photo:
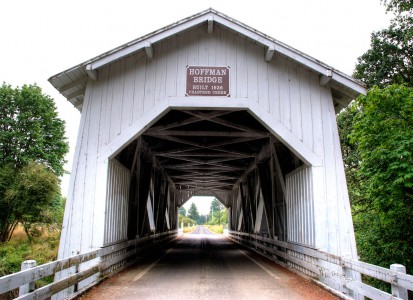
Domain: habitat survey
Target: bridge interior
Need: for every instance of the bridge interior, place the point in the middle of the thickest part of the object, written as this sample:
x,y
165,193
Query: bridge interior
x,y
224,153
203,265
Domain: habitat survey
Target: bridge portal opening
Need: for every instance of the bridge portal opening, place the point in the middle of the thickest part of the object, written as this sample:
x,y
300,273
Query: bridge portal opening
x,y
226,154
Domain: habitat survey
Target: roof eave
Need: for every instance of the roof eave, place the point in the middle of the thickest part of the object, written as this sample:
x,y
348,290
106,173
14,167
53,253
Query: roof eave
x,y
340,81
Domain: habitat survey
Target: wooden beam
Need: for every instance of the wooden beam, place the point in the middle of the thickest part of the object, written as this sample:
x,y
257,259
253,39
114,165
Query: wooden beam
x,y
68,86
278,168
269,53
173,124
76,94
206,133
92,73
324,79
149,50
210,24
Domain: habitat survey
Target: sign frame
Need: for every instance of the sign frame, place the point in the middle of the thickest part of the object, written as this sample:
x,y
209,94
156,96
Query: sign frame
x,y
212,81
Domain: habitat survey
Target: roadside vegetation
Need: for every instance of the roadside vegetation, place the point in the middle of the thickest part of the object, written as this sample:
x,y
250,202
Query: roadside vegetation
x,y
215,221
376,133
219,229
32,150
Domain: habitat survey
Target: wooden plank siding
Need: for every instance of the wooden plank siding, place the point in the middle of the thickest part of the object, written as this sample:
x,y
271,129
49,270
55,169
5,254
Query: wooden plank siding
x,y
130,88
282,87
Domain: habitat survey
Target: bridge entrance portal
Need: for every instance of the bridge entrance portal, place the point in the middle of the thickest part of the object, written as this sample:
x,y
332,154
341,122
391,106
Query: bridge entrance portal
x,y
209,106
227,154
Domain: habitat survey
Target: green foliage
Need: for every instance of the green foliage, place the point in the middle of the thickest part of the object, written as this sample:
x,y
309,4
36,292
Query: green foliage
x,y
186,220
182,211
32,150
390,58
43,249
218,214
193,212
24,196
398,6
383,136
351,157
219,229
377,144
30,129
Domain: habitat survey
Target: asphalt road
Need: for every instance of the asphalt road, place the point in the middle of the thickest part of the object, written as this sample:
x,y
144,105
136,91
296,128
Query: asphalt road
x,y
203,265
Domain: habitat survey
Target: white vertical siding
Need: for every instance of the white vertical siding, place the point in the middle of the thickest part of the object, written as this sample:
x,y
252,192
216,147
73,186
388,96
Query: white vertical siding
x,y
116,223
134,85
300,212
290,94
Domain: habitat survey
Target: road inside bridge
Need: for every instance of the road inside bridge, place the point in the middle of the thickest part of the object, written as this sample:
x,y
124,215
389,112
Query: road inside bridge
x,y
203,265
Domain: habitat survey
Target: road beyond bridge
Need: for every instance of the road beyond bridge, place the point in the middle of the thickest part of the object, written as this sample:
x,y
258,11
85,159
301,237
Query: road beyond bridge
x,y
203,265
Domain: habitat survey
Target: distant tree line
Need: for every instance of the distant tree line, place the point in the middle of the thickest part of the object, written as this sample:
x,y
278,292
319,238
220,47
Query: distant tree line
x,y
218,214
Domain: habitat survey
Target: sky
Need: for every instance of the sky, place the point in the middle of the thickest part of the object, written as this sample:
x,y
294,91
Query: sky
x,y
44,37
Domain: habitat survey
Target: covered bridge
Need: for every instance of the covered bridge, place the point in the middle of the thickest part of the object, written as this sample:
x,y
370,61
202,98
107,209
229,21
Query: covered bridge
x,y
208,106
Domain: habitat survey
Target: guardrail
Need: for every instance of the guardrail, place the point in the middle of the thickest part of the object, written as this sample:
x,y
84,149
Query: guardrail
x,y
320,265
113,258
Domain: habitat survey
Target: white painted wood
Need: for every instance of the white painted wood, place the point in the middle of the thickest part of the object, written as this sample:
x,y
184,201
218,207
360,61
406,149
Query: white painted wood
x,y
171,56
132,93
182,62
329,175
161,75
149,49
298,198
91,73
139,88
259,211
283,134
305,108
128,91
294,99
117,198
28,287
210,24
324,79
395,289
252,72
90,169
274,91
241,90
269,54
262,81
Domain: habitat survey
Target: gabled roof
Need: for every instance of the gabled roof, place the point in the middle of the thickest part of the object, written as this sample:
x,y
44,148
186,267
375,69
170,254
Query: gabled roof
x,y
72,82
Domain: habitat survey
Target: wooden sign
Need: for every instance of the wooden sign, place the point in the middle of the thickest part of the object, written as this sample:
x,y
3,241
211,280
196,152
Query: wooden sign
x,y
207,81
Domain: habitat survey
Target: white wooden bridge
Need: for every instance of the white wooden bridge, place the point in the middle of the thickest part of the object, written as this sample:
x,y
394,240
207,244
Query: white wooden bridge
x,y
208,106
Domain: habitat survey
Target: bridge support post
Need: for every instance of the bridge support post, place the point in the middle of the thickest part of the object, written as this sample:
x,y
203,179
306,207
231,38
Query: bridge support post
x,y
395,289
29,287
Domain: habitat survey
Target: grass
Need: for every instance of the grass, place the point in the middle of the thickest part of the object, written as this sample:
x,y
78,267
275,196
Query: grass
x,y
219,229
189,229
42,249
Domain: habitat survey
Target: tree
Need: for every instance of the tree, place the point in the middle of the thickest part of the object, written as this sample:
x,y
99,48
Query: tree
x,y
193,212
377,144
32,150
351,158
382,133
398,6
30,129
182,211
26,194
390,58
218,214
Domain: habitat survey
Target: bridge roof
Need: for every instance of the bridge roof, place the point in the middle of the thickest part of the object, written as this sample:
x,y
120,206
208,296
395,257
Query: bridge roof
x,y
71,83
